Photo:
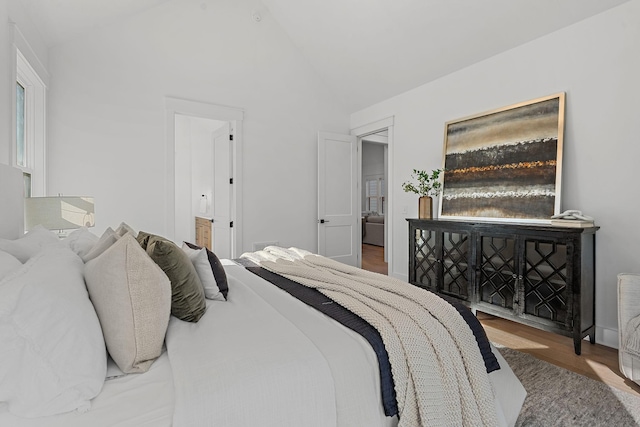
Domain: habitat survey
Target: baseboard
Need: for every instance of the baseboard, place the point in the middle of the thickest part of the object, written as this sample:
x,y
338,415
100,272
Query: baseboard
x,y
607,336
400,276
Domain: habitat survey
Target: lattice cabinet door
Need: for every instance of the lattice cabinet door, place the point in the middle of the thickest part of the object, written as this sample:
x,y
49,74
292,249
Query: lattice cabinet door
x,y
455,260
425,266
498,271
546,281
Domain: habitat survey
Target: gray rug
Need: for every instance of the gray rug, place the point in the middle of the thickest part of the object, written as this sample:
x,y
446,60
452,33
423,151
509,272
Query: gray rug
x,y
558,397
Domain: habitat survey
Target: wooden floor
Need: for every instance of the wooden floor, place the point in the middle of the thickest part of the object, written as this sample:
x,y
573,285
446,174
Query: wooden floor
x,y
596,361
373,259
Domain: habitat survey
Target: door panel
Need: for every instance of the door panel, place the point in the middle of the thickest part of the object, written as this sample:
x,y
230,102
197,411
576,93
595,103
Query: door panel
x,y
546,280
338,213
498,271
425,257
455,264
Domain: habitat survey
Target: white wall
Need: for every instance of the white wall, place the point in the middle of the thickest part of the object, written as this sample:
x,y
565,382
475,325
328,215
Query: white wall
x,y
35,49
107,114
596,63
5,84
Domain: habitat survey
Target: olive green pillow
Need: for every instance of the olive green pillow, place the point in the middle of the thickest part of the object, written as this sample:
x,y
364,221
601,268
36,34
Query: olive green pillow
x,y
187,292
143,238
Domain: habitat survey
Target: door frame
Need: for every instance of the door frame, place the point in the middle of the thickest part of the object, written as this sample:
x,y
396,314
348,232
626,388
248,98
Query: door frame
x,y
221,222
363,131
204,110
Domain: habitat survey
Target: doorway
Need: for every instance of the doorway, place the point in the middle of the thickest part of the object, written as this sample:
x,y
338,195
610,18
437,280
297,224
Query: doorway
x,y
203,170
373,178
385,130
340,194
206,189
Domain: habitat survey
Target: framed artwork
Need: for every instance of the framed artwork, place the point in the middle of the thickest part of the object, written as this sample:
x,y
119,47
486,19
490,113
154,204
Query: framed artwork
x,y
505,164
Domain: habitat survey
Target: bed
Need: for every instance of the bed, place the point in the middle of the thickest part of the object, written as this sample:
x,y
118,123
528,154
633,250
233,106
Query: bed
x,y
257,357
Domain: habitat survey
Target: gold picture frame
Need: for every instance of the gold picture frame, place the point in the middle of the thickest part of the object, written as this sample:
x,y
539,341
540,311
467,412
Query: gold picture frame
x,y
505,164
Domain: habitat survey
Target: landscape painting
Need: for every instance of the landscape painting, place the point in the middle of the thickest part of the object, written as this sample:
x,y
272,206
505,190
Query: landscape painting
x,y
505,164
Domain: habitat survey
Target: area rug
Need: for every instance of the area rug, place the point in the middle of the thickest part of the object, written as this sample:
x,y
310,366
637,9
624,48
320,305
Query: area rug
x,y
558,397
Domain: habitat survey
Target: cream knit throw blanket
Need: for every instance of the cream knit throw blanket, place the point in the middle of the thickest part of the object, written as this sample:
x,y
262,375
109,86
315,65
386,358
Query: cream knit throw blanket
x,y
631,338
439,375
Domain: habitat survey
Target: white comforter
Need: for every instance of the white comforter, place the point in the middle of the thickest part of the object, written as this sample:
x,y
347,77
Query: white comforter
x,y
248,355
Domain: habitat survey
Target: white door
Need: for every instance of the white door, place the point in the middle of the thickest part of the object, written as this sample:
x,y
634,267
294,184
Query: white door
x,y
338,213
221,209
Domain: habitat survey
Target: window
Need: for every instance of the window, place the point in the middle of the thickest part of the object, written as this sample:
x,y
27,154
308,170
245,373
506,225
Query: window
x,y
375,195
20,126
21,145
30,126
372,195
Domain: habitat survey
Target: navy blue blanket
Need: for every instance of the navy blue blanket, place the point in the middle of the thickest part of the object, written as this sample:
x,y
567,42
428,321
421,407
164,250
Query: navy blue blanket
x,y
324,304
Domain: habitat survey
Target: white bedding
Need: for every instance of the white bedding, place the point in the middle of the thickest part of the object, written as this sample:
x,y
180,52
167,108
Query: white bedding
x,y
238,364
225,337
351,359
134,400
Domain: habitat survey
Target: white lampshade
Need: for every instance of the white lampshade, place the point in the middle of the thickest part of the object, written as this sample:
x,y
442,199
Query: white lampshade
x,y
59,213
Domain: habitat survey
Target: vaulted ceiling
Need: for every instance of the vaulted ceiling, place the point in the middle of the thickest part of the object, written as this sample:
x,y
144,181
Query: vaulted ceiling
x,y
367,50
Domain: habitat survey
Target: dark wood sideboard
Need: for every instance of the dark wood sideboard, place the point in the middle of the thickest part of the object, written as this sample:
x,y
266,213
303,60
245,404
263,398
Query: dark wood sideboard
x,y
539,275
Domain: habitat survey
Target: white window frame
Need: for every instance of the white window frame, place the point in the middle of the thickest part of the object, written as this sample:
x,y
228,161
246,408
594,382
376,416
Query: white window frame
x,y
379,196
35,85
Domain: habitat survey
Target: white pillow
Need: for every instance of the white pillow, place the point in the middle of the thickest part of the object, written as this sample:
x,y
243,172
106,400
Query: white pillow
x,y
108,238
52,356
125,228
30,244
200,261
81,241
132,297
8,263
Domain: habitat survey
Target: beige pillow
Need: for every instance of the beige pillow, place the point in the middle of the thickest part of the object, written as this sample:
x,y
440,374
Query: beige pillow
x,y
132,297
125,228
108,238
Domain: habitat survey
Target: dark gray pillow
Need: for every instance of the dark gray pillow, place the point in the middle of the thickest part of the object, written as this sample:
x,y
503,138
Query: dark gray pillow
x,y
187,293
216,267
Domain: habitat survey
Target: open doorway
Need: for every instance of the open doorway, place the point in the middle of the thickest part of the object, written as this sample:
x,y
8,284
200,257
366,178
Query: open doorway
x,y
379,132
210,187
374,179
203,170
340,194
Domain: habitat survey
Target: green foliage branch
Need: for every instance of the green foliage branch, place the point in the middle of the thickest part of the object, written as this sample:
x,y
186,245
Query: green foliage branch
x,y
428,183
